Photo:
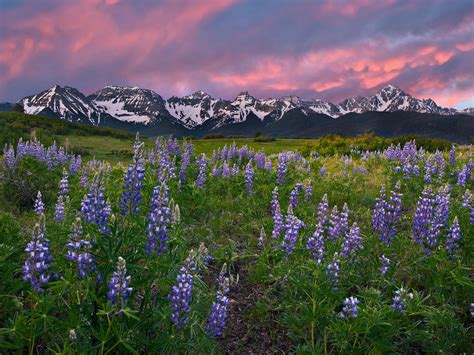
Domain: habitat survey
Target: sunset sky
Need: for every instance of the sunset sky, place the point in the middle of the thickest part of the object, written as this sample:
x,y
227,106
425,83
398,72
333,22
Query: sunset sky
x,y
315,49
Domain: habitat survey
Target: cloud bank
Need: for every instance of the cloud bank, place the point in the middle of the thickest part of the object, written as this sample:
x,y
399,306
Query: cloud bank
x,y
315,49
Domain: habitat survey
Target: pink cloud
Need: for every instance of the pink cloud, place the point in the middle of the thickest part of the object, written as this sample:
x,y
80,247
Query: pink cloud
x,y
176,47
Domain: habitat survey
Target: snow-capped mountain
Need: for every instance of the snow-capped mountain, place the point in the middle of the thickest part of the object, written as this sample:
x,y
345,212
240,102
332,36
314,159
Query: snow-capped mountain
x,y
198,108
391,99
66,102
130,104
200,111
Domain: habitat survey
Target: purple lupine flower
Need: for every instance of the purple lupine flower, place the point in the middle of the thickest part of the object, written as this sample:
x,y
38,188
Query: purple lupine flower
x,y
440,216
133,182
281,168
260,160
225,169
322,171
278,225
344,218
315,244
181,295
268,165
85,261
159,220
39,205
465,174
59,210
453,238
64,184
219,312
323,209
119,285
467,199
294,194
235,170
338,222
201,179
249,175
275,201
213,158
423,216
36,267
74,244
468,202
386,262
185,161
378,214
334,223
94,207
261,238
350,308
452,156
398,301
292,227
216,171
352,242
386,214
354,169
84,179
79,251
332,270
75,164
308,191
9,159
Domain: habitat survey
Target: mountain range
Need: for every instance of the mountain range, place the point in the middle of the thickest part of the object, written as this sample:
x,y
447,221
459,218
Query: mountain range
x,y
137,109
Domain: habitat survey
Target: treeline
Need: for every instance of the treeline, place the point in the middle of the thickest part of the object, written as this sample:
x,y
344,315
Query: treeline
x,y
15,125
336,144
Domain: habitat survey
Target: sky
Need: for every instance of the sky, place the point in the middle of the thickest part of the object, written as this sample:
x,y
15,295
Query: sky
x,y
329,50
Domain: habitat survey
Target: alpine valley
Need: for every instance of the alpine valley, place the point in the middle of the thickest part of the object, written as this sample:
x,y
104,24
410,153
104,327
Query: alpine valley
x,y
389,112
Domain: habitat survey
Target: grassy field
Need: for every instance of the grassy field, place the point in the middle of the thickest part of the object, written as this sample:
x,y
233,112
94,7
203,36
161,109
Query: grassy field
x,y
115,149
282,287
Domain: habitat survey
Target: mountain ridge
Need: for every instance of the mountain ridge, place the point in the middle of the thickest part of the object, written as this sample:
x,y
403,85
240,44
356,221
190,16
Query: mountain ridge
x,y
136,109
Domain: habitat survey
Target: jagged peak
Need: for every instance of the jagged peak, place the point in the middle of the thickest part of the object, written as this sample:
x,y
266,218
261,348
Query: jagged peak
x,y
199,94
244,94
390,88
294,99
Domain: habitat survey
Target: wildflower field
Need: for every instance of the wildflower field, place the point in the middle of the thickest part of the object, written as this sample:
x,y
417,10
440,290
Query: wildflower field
x,y
232,249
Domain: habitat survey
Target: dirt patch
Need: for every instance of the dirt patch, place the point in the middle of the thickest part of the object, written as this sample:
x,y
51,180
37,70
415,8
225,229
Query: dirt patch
x,y
244,334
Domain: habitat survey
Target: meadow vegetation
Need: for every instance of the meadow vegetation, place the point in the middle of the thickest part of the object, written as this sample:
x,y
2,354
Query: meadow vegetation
x,y
336,245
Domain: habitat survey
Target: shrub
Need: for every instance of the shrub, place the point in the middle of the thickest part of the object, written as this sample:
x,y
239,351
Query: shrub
x,y
30,176
264,139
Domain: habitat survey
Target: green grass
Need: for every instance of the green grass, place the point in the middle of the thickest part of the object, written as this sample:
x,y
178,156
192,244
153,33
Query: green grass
x,y
107,147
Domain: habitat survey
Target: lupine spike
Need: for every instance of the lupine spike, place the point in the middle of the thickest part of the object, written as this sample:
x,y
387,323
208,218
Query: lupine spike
x,y
39,205
59,210
181,294
249,175
386,262
453,238
159,221
315,244
219,312
352,242
36,267
350,308
292,227
119,285
133,181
